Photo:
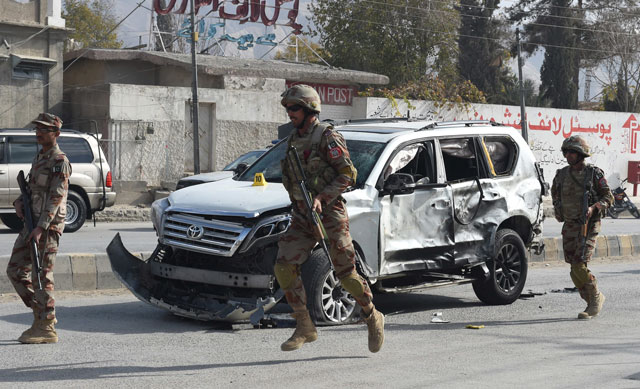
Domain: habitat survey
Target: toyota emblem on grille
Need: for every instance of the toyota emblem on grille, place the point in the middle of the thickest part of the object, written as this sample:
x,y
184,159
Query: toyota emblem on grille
x,y
195,231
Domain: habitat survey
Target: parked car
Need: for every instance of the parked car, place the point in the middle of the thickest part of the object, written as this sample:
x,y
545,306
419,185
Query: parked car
x,y
89,184
235,167
434,204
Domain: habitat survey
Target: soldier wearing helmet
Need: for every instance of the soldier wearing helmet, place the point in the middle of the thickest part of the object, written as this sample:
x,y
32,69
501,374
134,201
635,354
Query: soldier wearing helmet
x,y
575,188
329,171
48,181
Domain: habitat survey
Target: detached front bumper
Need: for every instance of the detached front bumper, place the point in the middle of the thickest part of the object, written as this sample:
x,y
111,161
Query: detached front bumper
x,y
144,278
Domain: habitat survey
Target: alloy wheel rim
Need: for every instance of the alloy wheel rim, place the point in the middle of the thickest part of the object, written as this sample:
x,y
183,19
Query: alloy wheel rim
x,y
508,268
337,303
72,213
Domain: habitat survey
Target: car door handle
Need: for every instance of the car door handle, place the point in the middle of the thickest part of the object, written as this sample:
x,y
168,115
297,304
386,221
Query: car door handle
x,y
445,203
3,172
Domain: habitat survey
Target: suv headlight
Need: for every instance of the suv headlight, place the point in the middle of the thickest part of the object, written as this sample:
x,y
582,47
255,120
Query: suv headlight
x,y
271,227
157,210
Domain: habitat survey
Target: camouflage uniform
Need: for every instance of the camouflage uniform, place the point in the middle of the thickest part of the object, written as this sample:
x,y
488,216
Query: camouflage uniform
x,y
567,191
329,171
49,182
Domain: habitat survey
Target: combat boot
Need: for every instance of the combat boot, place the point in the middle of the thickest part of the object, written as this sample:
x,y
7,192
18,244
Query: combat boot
x,y
43,332
585,296
305,332
26,334
375,325
596,300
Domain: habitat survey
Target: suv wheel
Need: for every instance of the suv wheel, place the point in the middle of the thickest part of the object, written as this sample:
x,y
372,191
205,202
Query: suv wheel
x,y
507,271
76,212
12,221
328,303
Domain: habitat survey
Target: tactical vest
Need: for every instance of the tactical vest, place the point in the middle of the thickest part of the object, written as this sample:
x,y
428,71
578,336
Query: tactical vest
x,y
572,189
318,172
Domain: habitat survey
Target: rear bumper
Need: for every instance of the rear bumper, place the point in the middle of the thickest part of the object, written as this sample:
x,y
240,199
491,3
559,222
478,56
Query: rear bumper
x,y
95,198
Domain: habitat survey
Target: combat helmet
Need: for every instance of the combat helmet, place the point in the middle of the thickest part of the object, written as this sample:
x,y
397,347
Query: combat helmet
x,y
577,144
303,95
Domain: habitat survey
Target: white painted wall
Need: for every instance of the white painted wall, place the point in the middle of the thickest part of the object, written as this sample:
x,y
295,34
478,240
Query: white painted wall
x,y
613,136
244,120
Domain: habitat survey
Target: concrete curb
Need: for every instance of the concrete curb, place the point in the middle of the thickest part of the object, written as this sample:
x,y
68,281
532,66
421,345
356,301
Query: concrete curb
x,y
611,246
93,271
124,213
75,272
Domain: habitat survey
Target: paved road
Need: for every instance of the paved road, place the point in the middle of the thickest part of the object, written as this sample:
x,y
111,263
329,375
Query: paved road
x,y
137,237
140,236
117,341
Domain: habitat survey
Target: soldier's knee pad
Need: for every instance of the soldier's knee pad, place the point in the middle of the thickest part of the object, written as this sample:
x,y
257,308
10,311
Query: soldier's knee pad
x,y
352,283
580,274
285,274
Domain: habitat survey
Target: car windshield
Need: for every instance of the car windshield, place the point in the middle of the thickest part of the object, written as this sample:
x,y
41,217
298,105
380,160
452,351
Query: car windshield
x,y
247,158
364,155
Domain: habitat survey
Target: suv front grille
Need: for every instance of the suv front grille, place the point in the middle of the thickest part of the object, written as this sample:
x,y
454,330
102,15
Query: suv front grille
x,y
196,233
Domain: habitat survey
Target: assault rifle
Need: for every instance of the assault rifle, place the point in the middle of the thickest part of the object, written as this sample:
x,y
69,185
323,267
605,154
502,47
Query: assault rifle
x,y
588,182
293,159
28,219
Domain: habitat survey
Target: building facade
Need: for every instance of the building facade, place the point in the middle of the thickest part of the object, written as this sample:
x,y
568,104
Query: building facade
x,y
32,35
140,101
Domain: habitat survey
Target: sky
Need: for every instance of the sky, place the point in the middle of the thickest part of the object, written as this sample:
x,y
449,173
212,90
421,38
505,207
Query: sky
x,y
136,27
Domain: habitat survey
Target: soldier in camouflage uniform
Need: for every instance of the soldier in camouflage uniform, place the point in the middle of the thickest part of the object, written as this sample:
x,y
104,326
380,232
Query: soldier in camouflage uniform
x,y
49,183
567,192
329,171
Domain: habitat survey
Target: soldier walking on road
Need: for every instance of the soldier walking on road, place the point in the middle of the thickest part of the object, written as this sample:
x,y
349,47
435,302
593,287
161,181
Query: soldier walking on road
x,y
581,196
48,181
329,171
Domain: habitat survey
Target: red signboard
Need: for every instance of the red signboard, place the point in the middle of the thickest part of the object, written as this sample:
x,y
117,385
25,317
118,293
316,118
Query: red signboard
x,y
332,94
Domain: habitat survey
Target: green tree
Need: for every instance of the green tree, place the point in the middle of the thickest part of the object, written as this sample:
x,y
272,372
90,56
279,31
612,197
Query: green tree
x,y
402,39
92,21
431,88
570,32
297,50
619,65
482,56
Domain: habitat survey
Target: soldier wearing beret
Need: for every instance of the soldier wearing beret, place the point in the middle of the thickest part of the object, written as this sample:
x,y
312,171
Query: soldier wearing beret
x,y
48,181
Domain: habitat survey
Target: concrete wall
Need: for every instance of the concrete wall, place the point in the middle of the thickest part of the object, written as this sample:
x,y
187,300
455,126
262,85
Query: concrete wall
x,y
23,99
30,12
612,136
244,119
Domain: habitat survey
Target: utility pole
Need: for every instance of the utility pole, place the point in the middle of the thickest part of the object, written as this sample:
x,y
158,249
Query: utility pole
x,y
523,118
194,92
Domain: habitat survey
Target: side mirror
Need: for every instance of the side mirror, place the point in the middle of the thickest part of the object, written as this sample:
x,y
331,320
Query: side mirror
x,y
399,183
240,169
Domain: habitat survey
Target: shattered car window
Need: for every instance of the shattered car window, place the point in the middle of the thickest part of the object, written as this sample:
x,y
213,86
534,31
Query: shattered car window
x,y
418,160
461,161
502,154
401,159
364,155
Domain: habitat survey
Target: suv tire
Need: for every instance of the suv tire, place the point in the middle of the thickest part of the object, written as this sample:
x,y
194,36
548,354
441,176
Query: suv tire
x,y
327,302
76,212
507,271
12,221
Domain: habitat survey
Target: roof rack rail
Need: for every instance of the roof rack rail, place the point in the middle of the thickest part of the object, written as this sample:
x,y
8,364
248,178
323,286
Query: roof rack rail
x,y
342,122
466,123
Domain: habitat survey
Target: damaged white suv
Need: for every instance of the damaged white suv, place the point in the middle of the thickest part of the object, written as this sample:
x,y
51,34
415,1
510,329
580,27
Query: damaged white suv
x,y
434,204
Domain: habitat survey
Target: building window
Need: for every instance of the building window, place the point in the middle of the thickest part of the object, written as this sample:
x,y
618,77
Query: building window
x,y
29,70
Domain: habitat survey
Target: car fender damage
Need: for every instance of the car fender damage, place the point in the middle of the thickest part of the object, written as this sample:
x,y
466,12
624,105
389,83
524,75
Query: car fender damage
x,y
144,279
